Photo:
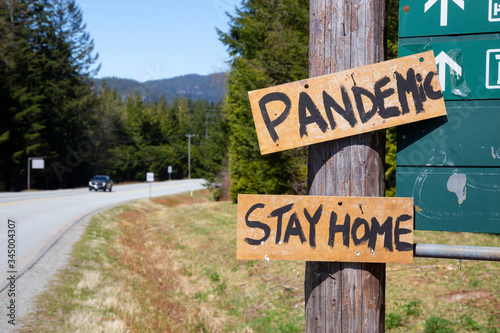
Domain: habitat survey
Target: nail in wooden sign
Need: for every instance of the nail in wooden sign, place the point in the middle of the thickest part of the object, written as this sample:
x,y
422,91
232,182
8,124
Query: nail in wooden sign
x,y
347,103
323,228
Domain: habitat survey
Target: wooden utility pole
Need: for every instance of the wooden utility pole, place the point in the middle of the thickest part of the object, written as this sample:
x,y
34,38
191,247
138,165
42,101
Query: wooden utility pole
x,y
346,297
189,136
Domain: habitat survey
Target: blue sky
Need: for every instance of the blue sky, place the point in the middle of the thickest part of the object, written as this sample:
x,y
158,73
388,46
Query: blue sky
x,y
156,39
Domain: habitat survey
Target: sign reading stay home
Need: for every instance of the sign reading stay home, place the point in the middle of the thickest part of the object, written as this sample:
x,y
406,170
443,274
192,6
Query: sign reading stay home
x,y
347,103
322,228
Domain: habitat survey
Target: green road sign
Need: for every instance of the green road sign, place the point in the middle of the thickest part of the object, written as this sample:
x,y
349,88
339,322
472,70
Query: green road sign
x,y
453,199
468,66
451,165
468,137
448,17
451,168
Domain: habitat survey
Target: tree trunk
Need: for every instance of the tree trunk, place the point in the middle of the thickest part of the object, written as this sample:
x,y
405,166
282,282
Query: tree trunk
x,y
346,297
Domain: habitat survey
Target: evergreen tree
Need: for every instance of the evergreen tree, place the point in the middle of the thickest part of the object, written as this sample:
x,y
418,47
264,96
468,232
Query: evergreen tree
x,y
45,65
108,131
390,142
392,28
209,156
67,19
66,58
20,124
48,108
268,45
7,43
268,42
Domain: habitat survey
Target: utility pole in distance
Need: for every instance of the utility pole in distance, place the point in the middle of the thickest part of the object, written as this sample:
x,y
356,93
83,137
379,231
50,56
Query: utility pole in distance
x,y
346,297
189,136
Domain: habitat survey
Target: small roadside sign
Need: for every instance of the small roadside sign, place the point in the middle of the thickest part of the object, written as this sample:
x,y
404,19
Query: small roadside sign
x,y
38,163
150,177
323,228
347,103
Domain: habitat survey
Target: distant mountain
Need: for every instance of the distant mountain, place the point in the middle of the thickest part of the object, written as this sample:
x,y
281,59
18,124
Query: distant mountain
x,y
209,87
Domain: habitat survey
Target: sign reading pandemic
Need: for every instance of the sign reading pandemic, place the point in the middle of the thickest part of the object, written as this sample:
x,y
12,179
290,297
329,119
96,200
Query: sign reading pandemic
x,y
347,103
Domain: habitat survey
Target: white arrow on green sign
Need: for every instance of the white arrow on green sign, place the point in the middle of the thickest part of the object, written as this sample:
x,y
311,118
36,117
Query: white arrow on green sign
x,y
468,67
442,60
444,9
448,17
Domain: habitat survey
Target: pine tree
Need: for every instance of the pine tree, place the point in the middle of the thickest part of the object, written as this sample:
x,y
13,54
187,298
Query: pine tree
x,y
20,124
45,63
65,52
390,141
268,45
108,131
209,156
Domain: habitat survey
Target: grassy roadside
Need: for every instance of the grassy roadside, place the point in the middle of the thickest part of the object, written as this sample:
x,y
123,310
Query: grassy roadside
x,y
435,295
168,265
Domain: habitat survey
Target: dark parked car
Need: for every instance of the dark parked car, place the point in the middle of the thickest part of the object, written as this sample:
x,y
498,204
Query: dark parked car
x,y
100,182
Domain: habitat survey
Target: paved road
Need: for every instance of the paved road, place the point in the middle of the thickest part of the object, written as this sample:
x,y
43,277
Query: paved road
x,y
39,219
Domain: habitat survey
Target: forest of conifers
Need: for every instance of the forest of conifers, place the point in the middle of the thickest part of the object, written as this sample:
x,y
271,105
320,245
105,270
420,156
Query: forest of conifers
x,y
49,107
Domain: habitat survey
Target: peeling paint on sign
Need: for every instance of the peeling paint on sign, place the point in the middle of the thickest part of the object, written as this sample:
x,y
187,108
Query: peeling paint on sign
x,y
456,184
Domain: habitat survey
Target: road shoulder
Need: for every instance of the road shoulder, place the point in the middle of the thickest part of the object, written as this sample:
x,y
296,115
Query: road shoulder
x,y
35,280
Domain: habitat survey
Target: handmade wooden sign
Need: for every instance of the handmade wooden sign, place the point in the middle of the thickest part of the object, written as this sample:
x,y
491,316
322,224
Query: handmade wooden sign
x,y
322,228
347,103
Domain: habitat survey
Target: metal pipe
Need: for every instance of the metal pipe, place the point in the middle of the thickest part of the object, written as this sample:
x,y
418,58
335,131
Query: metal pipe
x,y
456,252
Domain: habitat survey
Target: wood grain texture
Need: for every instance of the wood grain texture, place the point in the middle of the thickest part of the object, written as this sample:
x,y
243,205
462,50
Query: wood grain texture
x,y
346,297
302,230
296,131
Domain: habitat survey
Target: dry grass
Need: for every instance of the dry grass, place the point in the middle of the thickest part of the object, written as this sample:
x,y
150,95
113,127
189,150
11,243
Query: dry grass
x,y
169,265
468,298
